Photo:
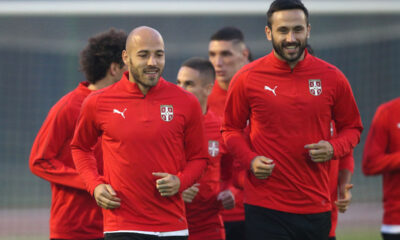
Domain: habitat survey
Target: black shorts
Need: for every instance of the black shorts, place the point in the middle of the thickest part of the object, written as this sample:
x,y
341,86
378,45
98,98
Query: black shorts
x,y
387,236
235,230
264,223
138,236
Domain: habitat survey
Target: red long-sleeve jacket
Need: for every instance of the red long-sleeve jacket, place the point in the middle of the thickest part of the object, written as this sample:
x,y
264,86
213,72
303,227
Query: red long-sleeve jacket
x,y
74,213
287,109
232,173
382,156
161,131
204,212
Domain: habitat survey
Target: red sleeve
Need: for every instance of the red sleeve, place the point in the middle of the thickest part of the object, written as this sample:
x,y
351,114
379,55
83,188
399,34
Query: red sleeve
x,y
51,148
347,162
195,147
237,112
375,158
83,142
347,119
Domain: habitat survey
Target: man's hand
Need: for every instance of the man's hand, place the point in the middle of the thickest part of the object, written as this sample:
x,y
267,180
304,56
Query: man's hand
x,y
344,198
262,167
227,199
190,193
106,197
321,151
168,184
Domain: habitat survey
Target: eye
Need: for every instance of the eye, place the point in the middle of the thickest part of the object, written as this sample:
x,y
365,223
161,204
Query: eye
x,y
298,29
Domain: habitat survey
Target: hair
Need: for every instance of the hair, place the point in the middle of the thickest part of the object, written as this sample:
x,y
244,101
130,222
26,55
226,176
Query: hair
x,y
228,34
231,34
204,67
310,50
279,5
102,50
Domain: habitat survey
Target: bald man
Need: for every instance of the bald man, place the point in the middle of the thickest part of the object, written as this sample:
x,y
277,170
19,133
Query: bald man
x,y
153,146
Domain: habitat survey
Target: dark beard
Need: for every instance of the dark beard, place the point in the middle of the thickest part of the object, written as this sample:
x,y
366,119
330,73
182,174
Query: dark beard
x,y
279,50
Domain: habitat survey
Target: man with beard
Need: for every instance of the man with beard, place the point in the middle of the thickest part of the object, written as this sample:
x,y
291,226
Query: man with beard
x,y
74,213
290,98
153,146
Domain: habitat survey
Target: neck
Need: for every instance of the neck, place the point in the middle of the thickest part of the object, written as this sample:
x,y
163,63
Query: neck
x,y
203,106
223,85
142,88
291,64
102,83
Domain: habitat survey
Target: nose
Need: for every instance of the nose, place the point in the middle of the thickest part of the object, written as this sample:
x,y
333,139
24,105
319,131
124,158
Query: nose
x,y
151,61
218,60
290,37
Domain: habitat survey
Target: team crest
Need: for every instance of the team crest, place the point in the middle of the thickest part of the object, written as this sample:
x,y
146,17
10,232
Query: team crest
x,y
315,86
213,148
167,112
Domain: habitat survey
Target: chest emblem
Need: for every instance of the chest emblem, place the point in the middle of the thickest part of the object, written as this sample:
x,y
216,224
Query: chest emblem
x,y
270,89
213,148
315,86
167,112
398,125
119,112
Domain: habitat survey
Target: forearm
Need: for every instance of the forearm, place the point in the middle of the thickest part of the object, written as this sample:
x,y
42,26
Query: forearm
x,y
378,164
55,172
192,172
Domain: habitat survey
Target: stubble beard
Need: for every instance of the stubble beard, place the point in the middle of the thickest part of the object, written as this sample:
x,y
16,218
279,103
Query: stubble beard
x,y
139,78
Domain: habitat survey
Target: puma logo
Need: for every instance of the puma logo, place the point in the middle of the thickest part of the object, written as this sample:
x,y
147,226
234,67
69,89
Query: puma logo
x,y
270,89
121,113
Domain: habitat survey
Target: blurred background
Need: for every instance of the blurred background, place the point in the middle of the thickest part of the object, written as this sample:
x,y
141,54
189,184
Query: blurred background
x,y
40,44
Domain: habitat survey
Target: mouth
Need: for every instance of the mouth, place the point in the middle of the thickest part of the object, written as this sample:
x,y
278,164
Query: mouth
x,y
153,72
220,73
291,49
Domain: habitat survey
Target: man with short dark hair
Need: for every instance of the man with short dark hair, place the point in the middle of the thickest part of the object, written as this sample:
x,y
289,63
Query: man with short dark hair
x,y
290,98
74,213
152,136
197,75
228,53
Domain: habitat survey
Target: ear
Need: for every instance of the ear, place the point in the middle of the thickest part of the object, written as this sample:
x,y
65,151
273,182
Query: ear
x,y
308,30
125,57
208,88
113,69
246,53
268,33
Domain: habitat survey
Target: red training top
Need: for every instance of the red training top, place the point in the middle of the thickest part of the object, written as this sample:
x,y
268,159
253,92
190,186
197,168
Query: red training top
x,y
74,213
161,131
382,156
289,108
232,175
203,214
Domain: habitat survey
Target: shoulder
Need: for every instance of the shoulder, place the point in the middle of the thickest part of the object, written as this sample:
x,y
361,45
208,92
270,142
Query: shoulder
x,y
392,105
176,91
326,67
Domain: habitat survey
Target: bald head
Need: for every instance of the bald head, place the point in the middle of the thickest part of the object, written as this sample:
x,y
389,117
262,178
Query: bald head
x,y
144,54
143,33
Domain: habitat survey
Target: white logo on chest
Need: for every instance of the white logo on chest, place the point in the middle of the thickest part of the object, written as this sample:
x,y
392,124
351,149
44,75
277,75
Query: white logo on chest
x,y
315,86
167,112
119,112
213,148
398,125
270,89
